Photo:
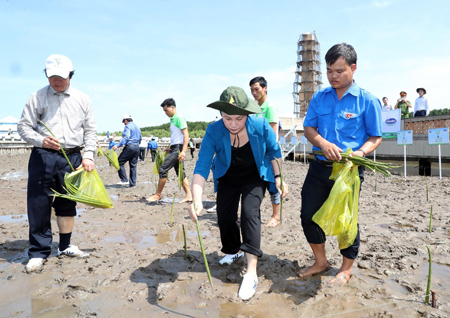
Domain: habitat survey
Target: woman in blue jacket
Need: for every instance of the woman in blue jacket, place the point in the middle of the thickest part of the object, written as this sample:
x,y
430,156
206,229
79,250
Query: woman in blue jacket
x,y
244,166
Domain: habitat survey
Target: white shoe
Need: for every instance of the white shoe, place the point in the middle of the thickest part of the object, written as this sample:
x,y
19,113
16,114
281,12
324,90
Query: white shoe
x,y
35,265
122,183
248,287
230,258
73,251
212,210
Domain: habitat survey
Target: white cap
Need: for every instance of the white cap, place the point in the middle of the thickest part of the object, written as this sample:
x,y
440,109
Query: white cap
x,y
58,65
126,116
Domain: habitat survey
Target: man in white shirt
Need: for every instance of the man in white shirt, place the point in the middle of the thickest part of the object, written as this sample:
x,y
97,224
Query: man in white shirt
x,y
421,104
68,114
385,107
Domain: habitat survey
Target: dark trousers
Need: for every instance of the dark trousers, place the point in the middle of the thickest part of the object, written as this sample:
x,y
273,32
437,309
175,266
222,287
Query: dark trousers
x,y
192,152
129,154
142,153
420,113
315,191
46,170
153,152
227,207
171,161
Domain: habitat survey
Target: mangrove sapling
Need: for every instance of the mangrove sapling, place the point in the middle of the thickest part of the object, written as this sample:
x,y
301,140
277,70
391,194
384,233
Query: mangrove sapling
x,y
431,219
426,179
173,203
61,148
185,245
362,161
281,196
180,173
427,297
201,246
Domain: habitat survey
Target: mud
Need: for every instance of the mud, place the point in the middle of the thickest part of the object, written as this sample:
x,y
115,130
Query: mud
x,y
137,266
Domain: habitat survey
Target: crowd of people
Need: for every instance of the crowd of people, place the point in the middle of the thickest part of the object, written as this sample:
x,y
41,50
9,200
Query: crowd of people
x,y
240,148
421,108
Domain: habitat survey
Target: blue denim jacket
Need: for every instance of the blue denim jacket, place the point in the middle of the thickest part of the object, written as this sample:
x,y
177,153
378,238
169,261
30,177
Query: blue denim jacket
x,y
217,142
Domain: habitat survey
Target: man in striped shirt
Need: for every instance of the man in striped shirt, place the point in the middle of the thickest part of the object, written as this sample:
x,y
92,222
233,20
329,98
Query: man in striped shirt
x,y
67,112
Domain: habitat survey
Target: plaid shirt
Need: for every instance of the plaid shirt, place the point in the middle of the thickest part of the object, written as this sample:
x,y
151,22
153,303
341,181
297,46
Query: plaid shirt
x,y
68,114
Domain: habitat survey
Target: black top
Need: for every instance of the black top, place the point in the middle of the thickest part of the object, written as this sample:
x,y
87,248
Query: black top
x,y
243,168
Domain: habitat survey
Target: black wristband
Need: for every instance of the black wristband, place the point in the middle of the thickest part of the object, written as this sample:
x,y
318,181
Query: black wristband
x,y
362,150
277,176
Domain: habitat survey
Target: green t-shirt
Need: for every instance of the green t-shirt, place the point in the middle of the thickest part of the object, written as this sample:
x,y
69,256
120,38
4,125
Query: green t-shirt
x,y
177,123
269,112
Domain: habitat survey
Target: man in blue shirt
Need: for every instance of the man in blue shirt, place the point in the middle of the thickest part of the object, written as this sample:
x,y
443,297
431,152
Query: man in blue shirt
x,y
131,138
152,146
339,117
111,142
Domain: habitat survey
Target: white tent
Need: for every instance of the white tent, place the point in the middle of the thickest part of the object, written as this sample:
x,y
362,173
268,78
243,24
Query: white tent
x,y
8,123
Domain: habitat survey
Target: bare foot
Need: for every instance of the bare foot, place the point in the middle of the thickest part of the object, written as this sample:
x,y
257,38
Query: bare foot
x,y
315,269
186,200
273,222
154,198
341,278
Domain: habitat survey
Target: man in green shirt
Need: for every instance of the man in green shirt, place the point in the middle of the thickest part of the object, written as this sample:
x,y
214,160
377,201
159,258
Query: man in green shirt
x,y
258,88
179,139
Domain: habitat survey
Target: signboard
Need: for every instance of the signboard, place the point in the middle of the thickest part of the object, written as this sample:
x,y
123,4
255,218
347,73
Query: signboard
x,y
294,141
282,140
391,121
303,140
405,137
438,136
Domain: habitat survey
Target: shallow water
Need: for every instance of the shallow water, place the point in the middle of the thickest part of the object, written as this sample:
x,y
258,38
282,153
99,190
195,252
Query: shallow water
x,y
18,175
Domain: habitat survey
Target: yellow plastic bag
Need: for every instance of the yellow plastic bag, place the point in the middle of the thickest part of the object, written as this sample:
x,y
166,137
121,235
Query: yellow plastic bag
x,y
159,159
112,157
85,187
100,152
339,213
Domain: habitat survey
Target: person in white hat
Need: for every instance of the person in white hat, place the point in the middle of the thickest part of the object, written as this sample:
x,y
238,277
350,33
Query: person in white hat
x,y
131,138
68,113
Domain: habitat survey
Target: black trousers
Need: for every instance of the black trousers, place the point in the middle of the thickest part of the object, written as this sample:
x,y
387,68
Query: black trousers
x,y
315,191
46,170
420,113
192,152
142,153
171,161
227,207
129,154
153,152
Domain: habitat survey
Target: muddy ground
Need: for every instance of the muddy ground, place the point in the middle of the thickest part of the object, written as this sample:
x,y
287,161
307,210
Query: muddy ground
x,y
137,266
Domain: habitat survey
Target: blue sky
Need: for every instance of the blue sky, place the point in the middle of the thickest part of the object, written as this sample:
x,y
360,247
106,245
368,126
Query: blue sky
x,y
131,55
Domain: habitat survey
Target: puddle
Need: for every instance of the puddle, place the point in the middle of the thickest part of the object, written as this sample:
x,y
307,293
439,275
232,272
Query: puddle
x,y
170,200
15,176
396,287
144,241
80,212
389,227
13,218
397,227
24,217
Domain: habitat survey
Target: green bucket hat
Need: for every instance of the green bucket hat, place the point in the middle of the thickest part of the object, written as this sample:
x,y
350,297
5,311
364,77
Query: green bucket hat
x,y
234,101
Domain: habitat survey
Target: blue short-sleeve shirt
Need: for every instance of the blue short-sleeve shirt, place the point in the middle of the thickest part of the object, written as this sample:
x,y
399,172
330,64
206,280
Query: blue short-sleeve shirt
x,y
347,122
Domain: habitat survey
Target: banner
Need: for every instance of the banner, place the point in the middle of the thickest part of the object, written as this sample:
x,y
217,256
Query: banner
x,y
391,121
438,136
303,140
405,137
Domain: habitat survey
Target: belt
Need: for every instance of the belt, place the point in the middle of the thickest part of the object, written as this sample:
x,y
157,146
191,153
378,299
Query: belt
x,y
323,162
71,150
